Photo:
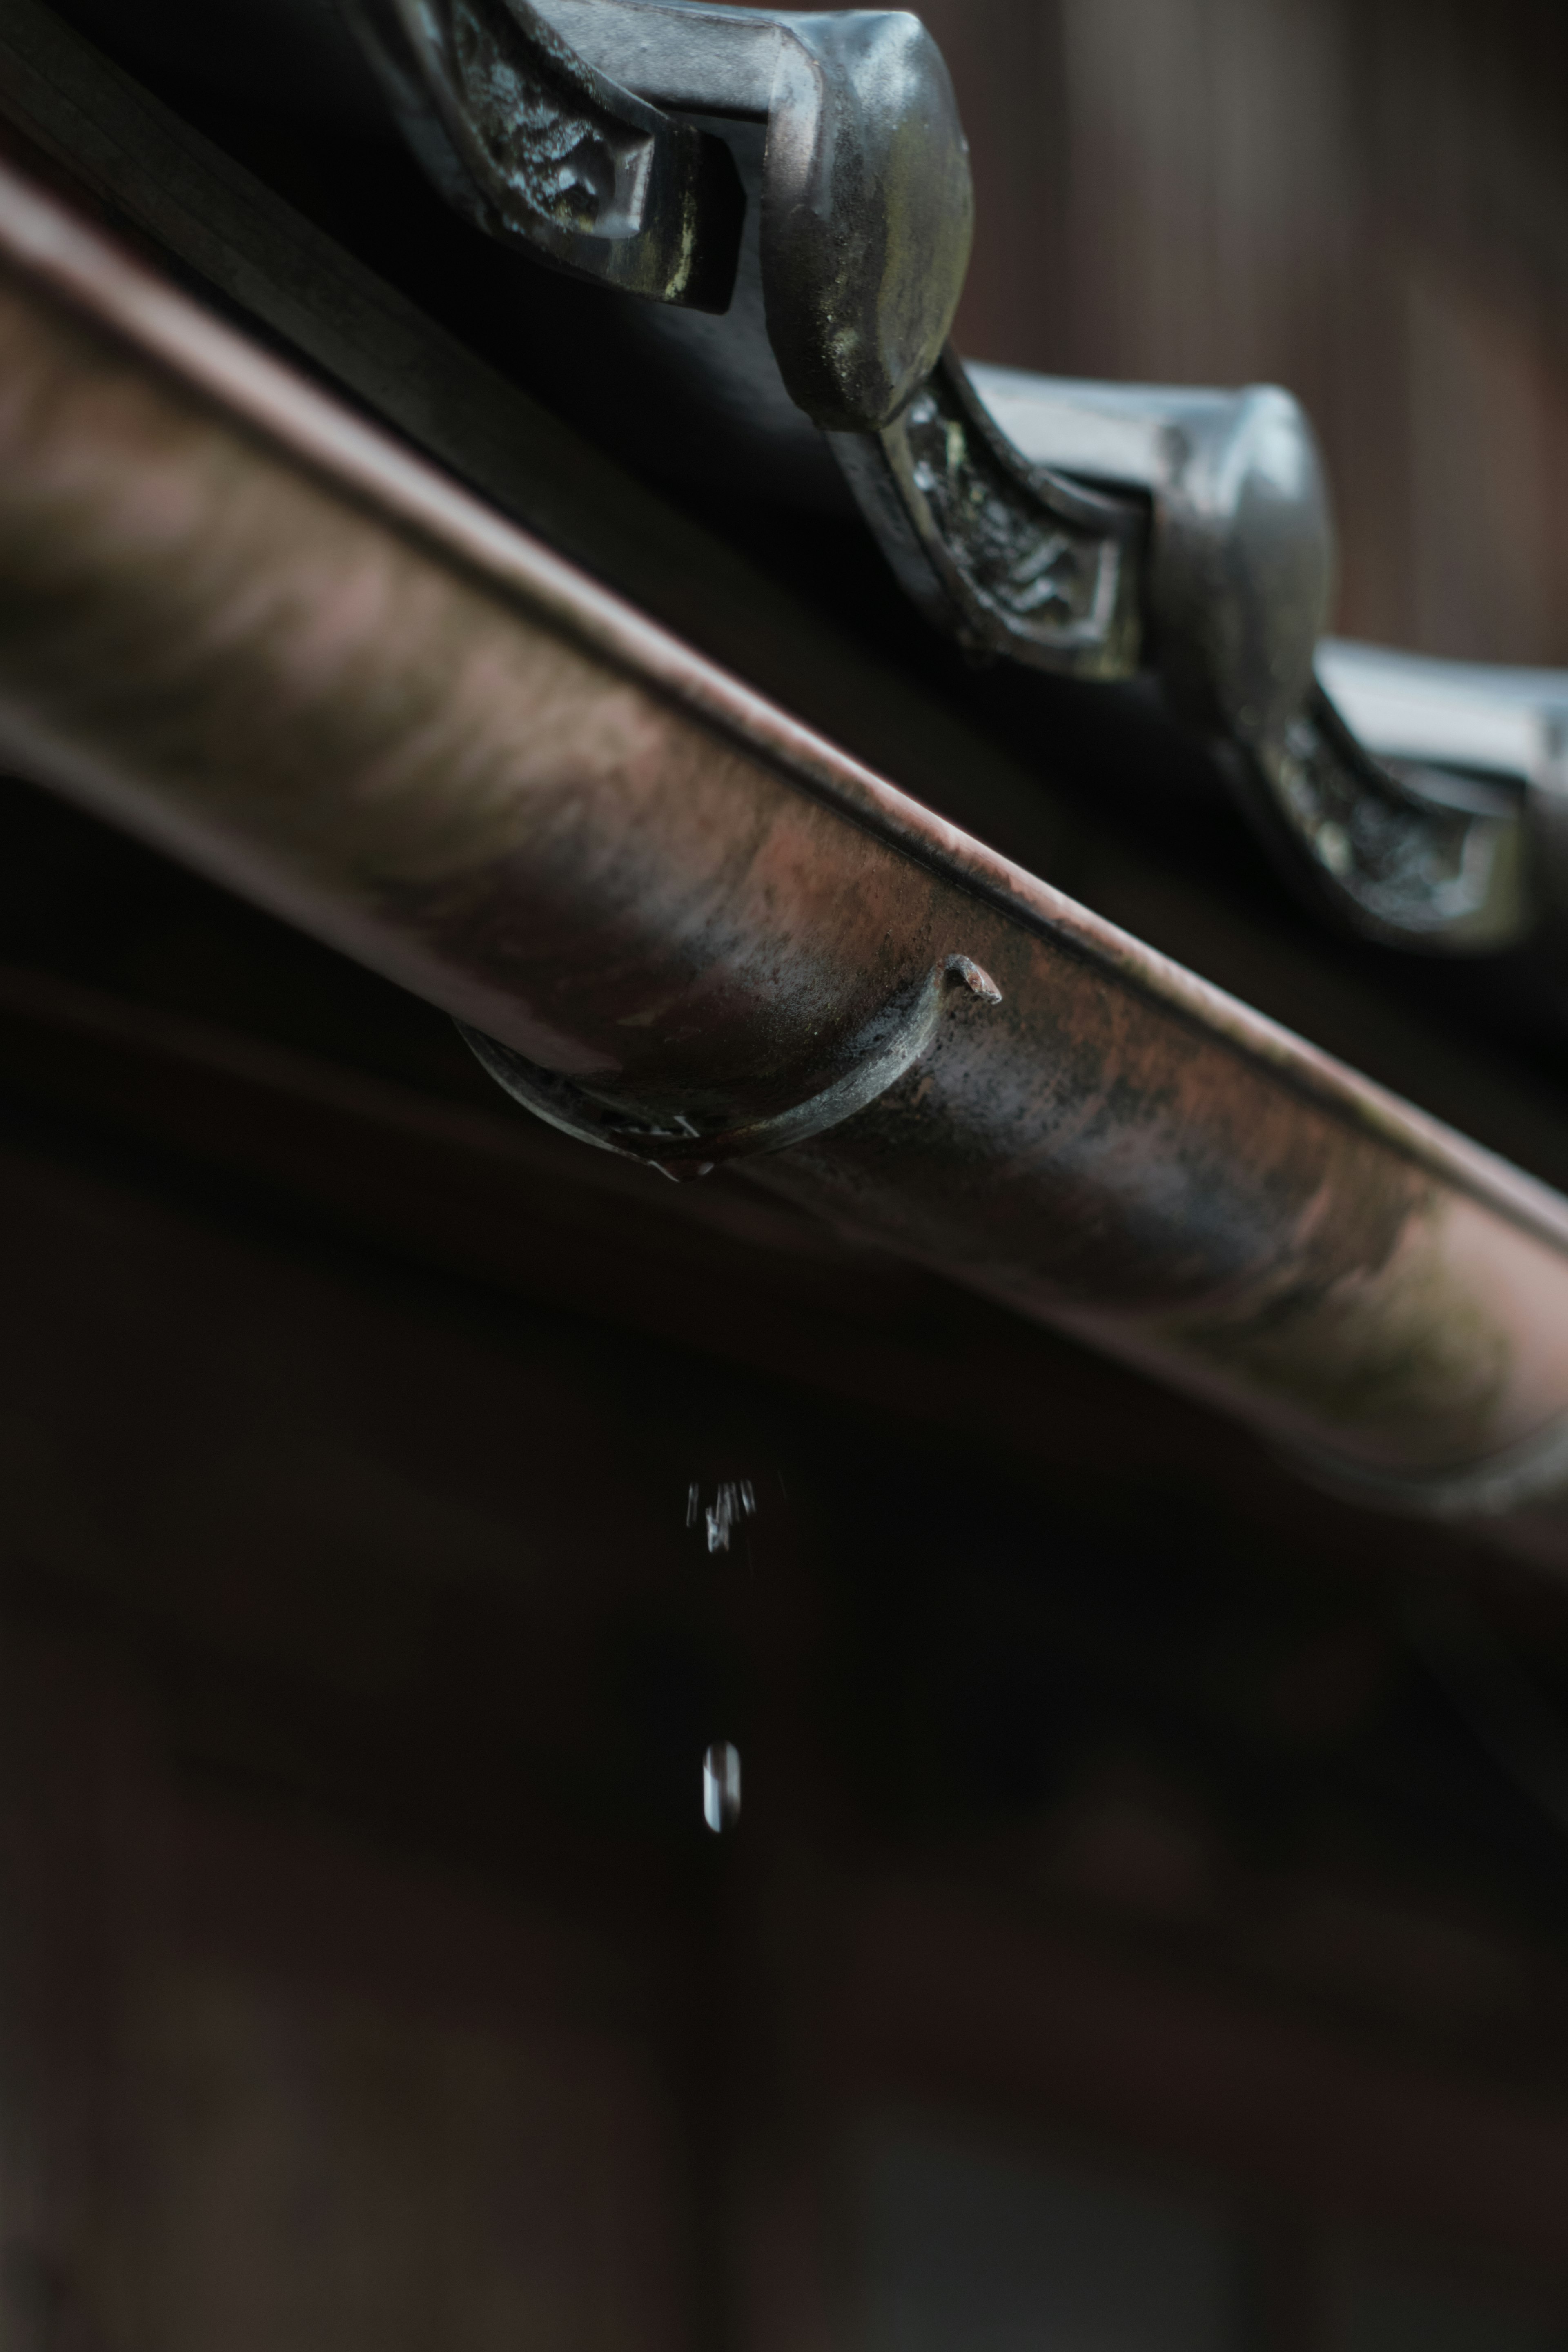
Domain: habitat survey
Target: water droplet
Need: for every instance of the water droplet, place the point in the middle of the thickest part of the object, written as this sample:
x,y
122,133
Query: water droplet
x,y
722,1786
1334,846
733,1500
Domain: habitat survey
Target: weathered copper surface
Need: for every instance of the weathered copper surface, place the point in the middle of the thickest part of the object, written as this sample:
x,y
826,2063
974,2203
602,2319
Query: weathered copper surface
x,y
239,619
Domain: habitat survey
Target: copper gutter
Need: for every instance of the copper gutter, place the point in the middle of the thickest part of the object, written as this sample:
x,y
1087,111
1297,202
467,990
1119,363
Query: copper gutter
x,y
241,620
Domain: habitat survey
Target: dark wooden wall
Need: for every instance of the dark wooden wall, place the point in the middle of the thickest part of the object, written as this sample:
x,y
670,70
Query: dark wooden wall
x,y
1363,200
367,1977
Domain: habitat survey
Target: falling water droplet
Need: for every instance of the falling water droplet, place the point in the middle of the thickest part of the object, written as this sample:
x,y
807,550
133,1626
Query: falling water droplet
x,y
734,1499
722,1786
